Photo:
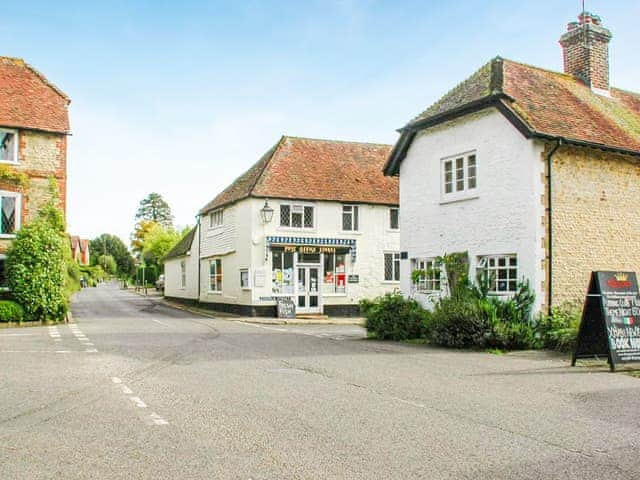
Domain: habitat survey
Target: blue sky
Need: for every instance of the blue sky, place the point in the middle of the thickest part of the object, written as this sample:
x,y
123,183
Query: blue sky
x,y
182,97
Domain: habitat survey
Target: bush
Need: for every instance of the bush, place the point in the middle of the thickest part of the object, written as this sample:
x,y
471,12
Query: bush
x,y
461,322
559,331
92,275
11,311
392,317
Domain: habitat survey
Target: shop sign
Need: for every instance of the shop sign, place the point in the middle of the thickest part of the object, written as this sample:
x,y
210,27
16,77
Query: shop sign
x,y
353,278
308,249
610,325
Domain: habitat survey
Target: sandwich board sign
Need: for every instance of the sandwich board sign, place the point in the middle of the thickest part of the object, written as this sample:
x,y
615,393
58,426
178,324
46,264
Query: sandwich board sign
x,y
286,307
610,324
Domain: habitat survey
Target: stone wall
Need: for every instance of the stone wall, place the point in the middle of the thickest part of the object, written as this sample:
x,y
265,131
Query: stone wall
x,y
596,220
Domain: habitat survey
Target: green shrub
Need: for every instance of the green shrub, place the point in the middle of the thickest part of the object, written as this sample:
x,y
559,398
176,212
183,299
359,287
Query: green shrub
x,y
392,317
559,331
461,322
11,311
514,336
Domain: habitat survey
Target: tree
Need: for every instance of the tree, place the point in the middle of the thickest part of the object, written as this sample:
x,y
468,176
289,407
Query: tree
x,y
157,243
155,209
111,245
108,264
138,237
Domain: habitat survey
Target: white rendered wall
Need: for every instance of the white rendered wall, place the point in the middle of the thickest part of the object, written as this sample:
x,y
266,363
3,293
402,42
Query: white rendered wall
x,y
172,274
505,218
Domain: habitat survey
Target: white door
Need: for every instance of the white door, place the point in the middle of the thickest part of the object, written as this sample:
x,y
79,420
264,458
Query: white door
x,y
308,290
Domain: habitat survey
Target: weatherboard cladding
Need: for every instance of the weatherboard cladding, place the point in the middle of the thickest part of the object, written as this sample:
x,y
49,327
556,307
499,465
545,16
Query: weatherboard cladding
x,y
546,103
313,169
28,100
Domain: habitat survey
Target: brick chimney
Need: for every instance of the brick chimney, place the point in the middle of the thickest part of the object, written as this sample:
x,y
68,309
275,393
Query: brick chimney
x,y
585,48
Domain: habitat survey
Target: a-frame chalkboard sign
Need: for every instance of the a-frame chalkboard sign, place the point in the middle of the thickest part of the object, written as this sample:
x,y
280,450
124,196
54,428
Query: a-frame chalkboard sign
x,y
610,325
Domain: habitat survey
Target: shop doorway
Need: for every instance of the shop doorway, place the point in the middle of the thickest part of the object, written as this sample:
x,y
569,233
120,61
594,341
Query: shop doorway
x,y
308,289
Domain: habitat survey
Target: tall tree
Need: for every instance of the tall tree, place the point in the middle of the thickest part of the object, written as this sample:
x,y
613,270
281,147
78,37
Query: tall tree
x,y
107,244
139,235
154,208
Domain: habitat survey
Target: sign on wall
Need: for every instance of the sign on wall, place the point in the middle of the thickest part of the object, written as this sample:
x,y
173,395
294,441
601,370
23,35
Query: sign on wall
x,y
610,324
259,277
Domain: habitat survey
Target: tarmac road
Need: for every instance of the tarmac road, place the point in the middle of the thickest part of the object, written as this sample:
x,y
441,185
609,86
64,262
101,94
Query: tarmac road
x,y
138,390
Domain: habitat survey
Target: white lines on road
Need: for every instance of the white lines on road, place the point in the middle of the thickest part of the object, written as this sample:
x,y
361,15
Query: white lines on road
x,y
16,334
82,338
153,418
324,335
55,333
158,321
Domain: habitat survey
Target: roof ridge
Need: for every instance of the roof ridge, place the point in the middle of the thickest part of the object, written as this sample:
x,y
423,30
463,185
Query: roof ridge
x,y
535,67
329,140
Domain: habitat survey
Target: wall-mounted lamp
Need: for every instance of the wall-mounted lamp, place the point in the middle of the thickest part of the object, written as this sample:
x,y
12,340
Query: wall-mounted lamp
x,y
266,212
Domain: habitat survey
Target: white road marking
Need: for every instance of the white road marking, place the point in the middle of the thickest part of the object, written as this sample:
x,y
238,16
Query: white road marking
x,y
16,334
408,402
116,380
138,401
63,351
91,350
157,419
126,390
158,321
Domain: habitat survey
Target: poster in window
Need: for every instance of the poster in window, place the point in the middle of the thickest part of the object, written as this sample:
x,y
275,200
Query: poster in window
x,y
328,277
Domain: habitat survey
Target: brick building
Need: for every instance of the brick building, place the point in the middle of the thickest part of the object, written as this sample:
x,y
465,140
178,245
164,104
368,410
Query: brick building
x,y
535,173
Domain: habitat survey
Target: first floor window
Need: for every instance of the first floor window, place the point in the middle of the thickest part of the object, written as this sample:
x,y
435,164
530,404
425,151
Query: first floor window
x,y
430,279
459,174
216,218
350,218
244,278
500,272
392,267
335,273
10,209
296,216
8,146
394,218
183,273
215,275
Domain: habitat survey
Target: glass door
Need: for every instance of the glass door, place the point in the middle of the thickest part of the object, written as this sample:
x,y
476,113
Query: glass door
x,y
308,290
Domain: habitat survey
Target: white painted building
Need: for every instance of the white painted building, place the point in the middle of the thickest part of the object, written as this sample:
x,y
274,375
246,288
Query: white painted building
x,y
313,220
181,268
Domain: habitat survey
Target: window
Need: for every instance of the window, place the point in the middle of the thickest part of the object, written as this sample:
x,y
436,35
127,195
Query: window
x,y
8,146
350,218
430,280
216,218
215,275
183,273
9,212
392,267
500,271
394,218
459,175
244,278
282,272
296,216
335,273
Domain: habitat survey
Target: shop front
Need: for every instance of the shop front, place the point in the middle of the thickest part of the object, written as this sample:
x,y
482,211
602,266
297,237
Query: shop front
x,y
310,270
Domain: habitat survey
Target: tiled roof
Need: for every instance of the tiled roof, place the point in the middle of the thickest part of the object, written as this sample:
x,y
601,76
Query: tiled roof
x,y
183,246
548,104
312,169
29,100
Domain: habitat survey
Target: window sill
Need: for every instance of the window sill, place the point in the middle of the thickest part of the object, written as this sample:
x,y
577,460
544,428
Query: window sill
x,y
460,198
246,289
351,232
390,282
214,293
334,295
7,235
10,162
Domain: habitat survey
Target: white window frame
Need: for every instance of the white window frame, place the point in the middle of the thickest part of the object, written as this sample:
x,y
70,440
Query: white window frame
x,y
212,262
433,277
297,205
183,273
248,284
353,211
18,213
15,145
462,183
484,262
395,269
216,218
392,209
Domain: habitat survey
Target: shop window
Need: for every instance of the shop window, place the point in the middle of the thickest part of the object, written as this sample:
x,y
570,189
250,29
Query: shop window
x,y
308,258
215,275
392,267
9,212
282,272
244,278
216,218
297,216
459,176
430,279
8,146
335,273
500,271
350,218
394,218
183,273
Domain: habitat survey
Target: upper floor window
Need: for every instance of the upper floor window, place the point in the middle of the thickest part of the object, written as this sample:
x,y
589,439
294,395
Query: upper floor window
x,y
429,278
459,175
392,267
9,212
8,146
350,218
500,271
216,218
296,216
394,218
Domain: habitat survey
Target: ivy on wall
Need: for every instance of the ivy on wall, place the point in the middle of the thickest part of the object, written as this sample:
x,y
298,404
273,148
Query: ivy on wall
x,y
9,175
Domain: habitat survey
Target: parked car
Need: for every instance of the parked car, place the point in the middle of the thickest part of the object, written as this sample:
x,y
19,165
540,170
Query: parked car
x,y
160,283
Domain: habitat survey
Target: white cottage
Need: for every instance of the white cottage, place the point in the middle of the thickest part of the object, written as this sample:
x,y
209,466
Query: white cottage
x,y
313,220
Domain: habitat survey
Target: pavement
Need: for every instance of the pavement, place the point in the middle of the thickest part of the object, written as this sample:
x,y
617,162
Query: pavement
x,y
137,389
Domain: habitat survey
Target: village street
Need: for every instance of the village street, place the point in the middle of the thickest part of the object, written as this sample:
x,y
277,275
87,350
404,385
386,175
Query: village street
x,y
135,389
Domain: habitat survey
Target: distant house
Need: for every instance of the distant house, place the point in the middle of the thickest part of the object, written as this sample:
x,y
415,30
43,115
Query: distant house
x,y
34,125
534,173
313,220
80,250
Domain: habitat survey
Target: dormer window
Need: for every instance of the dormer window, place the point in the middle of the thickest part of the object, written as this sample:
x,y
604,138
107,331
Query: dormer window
x,y
8,146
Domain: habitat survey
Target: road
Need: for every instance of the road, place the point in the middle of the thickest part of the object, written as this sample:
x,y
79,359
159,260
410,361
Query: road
x,y
138,390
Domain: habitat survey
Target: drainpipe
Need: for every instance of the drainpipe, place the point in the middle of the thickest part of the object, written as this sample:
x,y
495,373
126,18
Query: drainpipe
x,y
550,223
199,255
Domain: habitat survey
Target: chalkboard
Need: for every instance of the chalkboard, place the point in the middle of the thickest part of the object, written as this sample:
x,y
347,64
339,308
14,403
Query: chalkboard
x,y
286,308
610,324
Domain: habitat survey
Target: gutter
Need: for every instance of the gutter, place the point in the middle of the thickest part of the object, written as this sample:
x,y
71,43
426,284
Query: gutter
x,y
559,141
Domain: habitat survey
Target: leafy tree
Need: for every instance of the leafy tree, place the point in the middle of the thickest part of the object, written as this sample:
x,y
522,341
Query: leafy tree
x,y
108,264
155,209
157,243
138,237
111,245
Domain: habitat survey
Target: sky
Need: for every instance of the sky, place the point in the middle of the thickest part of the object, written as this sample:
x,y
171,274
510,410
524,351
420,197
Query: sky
x,y
180,98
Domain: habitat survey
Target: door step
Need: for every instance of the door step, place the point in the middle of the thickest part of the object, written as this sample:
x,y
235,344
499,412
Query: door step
x,y
312,316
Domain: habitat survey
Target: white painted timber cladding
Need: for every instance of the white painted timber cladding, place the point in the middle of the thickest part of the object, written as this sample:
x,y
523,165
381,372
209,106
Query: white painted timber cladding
x,y
222,239
506,218
172,274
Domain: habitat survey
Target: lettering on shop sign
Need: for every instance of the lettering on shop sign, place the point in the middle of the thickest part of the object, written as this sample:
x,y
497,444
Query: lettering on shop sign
x,y
610,324
286,307
308,249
